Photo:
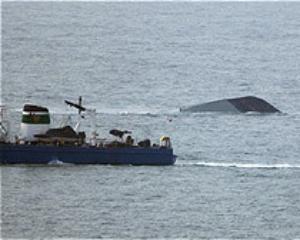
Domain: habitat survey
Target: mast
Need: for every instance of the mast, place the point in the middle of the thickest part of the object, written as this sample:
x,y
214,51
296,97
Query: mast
x,y
80,109
4,124
90,112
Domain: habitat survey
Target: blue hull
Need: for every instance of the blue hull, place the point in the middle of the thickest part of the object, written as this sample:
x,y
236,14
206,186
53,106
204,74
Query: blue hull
x,y
36,154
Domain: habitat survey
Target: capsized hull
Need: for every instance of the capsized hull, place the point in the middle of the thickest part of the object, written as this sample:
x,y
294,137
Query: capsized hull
x,y
39,154
234,105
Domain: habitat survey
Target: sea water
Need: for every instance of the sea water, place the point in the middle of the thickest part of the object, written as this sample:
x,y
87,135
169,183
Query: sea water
x,y
236,176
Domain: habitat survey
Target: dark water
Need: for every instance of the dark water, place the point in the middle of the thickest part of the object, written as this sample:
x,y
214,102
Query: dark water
x,y
237,176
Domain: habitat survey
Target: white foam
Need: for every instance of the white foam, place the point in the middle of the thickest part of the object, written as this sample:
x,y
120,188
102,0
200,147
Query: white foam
x,y
55,162
111,111
137,111
244,165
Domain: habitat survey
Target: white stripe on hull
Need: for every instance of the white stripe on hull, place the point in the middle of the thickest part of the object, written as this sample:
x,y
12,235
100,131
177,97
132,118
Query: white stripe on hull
x,y
29,130
35,113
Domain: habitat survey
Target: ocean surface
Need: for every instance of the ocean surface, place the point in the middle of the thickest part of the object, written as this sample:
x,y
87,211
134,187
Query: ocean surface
x,y
236,176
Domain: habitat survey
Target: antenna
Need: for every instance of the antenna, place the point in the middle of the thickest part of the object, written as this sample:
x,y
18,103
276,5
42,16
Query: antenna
x,y
76,105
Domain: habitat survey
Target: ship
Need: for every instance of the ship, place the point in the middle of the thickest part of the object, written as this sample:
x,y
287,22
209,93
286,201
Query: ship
x,y
37,143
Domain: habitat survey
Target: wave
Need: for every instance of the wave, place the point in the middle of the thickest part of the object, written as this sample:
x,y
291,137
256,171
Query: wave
x,y
241,165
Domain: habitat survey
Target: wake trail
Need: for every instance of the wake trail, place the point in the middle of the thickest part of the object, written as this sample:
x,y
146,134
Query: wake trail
x,y
241,165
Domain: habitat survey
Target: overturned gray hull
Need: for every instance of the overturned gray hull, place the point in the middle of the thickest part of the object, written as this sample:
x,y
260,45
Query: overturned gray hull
x,y
237,105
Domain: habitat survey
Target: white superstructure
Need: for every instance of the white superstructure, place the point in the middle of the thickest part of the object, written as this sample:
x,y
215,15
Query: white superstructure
x,y
35,120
